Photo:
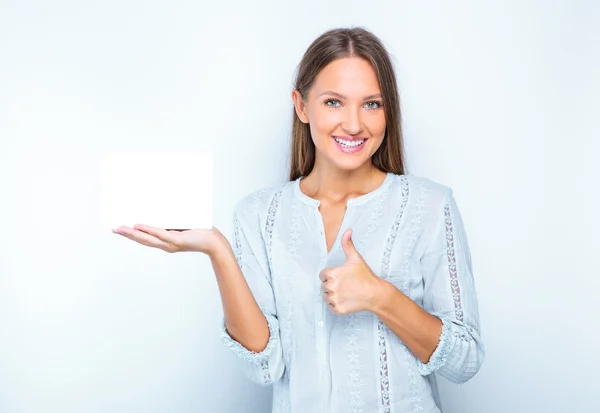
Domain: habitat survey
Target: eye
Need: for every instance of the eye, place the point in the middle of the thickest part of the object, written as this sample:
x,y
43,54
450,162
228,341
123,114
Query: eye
x,y
374,104
332,103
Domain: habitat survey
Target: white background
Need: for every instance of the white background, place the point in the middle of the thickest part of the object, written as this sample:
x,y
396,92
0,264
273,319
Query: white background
x,y
500,102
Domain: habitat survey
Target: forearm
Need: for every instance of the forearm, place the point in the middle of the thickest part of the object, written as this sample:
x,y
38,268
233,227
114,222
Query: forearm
x,y
244,319
418,330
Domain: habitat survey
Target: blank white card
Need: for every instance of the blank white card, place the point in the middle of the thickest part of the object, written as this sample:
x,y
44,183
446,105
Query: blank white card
x,y
172,190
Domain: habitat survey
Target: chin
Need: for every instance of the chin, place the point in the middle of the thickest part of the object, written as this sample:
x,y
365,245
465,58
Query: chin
x,y
349,164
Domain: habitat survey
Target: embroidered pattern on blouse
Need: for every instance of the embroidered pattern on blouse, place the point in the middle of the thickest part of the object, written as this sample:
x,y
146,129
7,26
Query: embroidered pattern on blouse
x,y
385,266
251,356
440,355
265,369
286,322
269,226
375,217
465,333
352,349
269,235
416,229
384,380
385,262
452,264
237,245
351,328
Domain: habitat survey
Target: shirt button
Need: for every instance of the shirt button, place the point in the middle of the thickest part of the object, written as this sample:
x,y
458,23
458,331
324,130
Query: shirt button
x,y
320,324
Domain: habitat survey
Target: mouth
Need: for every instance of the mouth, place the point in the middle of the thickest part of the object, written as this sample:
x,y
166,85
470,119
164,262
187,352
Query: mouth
x,y
349,145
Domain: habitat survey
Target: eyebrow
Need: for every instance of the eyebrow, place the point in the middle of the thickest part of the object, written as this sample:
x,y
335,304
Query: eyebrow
x,y
329,92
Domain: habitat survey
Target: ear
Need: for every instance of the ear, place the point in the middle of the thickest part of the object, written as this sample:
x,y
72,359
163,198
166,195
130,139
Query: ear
x,y
299,105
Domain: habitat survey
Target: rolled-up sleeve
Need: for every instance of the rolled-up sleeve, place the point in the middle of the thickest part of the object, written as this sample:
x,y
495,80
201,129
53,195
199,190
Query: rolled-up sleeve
x,y
267,366
449,294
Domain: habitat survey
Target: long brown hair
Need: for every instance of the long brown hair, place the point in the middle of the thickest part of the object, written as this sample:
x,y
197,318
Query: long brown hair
x,y
336,44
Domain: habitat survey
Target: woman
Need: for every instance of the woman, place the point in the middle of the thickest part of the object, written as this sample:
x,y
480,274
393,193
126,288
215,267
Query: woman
x,y
349,285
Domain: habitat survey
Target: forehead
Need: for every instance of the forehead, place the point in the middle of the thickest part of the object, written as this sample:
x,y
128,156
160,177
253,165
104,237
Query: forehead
x,y
351,76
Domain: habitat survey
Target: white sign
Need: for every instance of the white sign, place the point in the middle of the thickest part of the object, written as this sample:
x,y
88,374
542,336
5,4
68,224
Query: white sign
x,y
171,190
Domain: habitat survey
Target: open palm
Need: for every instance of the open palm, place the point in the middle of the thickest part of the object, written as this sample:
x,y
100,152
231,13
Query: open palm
x,y
201,240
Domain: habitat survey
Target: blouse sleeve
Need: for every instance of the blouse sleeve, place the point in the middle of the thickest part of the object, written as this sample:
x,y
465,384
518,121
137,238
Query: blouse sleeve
x,y
267,366
449,294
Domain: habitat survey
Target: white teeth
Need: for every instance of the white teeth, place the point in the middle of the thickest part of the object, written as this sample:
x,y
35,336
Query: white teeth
x,y
349,143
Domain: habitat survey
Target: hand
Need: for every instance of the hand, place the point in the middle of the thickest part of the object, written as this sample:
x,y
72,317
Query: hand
x,y
352,286
202,240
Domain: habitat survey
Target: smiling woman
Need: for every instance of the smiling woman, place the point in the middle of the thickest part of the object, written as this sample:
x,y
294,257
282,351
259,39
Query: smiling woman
x,y
385,252
350,101
350,285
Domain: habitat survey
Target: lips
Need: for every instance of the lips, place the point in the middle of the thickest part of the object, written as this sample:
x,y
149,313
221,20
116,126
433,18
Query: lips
x,y
349,144
350,140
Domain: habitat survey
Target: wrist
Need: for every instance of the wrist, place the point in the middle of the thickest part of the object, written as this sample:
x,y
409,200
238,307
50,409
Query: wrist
x,y
220,245
382,296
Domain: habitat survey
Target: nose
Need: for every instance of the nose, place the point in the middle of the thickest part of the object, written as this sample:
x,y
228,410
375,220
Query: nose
x,y
352,122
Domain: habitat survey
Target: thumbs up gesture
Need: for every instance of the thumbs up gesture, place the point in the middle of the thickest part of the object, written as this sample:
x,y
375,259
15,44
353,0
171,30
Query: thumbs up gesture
x,y
352,286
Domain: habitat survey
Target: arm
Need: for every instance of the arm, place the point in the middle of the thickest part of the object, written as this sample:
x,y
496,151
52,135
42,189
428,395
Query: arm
x,y
250,327
444,334
418,330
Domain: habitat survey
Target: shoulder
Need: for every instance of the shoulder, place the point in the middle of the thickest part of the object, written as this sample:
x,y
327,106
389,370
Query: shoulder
x,y
423,198
422,189
256,204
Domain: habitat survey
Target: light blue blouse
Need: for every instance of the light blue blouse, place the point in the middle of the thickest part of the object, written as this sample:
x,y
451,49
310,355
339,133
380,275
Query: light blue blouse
x,y
410,232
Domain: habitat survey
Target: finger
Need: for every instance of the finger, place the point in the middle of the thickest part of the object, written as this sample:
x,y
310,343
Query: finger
x,y
329,274
352,254
324,274
161,234
327,298
143,238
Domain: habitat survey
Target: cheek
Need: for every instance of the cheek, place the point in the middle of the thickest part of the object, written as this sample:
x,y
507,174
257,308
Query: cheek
x,y
376,125
377,130
323,123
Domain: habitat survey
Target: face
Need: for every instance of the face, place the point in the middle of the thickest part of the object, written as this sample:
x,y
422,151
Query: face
x,y
344,109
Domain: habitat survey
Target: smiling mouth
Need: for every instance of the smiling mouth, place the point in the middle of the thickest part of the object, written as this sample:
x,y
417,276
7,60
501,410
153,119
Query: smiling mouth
x,y
350,143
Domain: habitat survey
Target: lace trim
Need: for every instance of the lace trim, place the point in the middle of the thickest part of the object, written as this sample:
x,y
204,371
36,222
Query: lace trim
x,y
237,244
417,228
252,357
452,264
385,262
384,380
441,352
265,370
354,367
381,328
269,241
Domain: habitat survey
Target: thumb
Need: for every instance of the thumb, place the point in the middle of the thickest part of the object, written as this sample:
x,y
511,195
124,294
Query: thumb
x,y
352,254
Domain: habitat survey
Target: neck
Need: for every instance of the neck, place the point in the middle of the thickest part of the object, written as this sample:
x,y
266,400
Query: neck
x,y
333,185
